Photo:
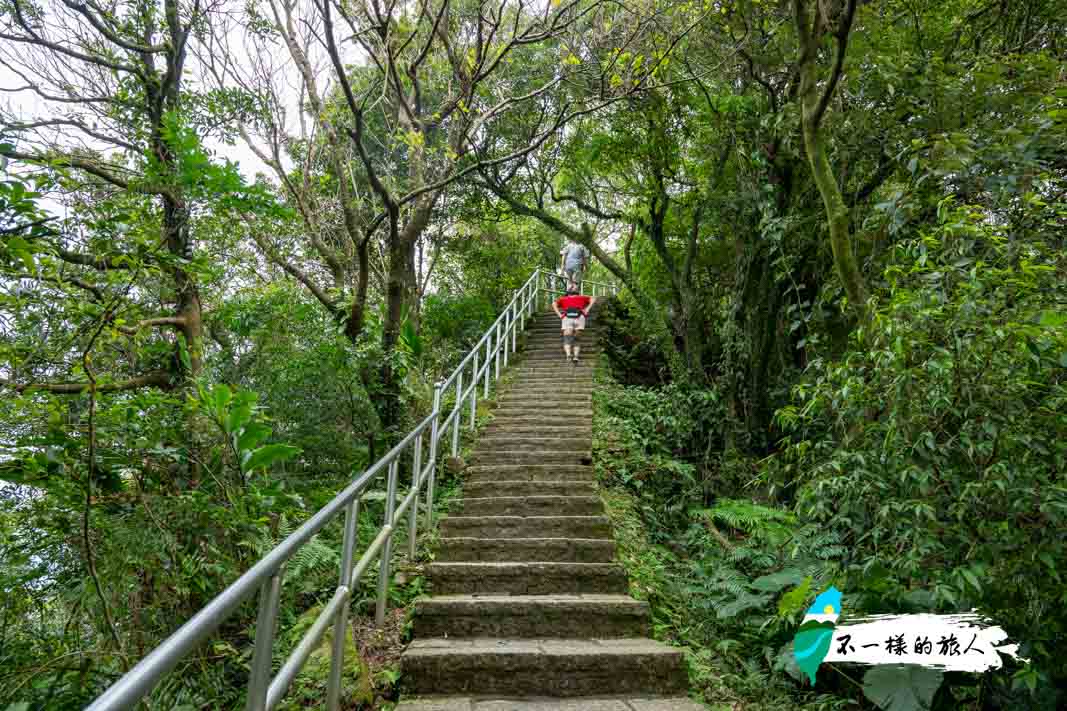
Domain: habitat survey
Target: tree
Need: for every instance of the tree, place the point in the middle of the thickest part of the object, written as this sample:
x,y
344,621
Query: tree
x,y
829,19
116,129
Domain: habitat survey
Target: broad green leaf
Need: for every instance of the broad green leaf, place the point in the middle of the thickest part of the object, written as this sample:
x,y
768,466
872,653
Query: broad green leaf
x,y
239,415
252,434
902,687
794,600
786,660
778,581
220,398
268,455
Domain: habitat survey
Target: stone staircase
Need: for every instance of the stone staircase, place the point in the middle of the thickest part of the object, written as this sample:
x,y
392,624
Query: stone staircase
x,y
529,611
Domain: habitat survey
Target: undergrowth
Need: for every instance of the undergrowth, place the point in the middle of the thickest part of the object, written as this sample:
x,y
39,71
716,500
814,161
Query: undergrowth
x,y
720,672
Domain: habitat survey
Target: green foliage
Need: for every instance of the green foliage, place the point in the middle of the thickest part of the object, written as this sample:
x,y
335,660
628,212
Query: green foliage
x,y
935,446
902,688
647,439
923,451
721,666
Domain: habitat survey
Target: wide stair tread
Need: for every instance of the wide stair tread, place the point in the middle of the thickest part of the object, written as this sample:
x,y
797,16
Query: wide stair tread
x,y
513,550
513,487
544,505
532,578
531,472
550,667
526,526
531,616
518,456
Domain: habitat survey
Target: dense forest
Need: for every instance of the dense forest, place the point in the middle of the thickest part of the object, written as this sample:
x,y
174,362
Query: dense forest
x,y
240,241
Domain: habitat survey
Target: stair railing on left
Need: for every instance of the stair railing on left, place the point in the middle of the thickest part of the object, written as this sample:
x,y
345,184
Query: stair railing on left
x,y
266,689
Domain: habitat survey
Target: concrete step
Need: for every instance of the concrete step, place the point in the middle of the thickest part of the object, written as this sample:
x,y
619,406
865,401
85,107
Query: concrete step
x,y
554,335
499,487
518,456
526,616
562,394
530,506
546,401
553,383
554,358
545,667
556,369
541,703
536,578
530,472
517,550
533,429
546,336
573,413
550,386
526,527
523,443
554,346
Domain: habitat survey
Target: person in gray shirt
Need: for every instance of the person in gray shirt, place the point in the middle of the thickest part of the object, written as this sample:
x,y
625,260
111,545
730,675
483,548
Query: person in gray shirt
x,y
573,259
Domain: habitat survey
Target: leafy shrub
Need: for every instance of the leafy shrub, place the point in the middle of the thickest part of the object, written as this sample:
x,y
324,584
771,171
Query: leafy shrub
x,y
658,442
635,359
936,446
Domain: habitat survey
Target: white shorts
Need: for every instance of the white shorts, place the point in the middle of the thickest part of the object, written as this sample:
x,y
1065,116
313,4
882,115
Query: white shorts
x,y
577,323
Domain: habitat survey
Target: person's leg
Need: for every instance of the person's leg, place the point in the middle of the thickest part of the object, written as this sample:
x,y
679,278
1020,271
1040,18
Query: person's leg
x,y
570,279
568,341
576,347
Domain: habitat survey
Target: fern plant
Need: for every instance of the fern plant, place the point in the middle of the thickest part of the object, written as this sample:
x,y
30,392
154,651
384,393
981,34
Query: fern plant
x,y
311,560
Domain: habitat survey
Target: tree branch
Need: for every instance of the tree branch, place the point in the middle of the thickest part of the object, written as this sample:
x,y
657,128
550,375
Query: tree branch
x,y
98,294
33,38
841,35
78,125
295,272
160,379
176,321
90,168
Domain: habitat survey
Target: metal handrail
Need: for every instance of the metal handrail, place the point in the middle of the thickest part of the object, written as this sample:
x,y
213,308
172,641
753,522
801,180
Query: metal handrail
x,y
267,575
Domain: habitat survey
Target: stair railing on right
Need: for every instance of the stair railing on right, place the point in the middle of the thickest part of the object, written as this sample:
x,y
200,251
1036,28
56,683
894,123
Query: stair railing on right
x,y
266,688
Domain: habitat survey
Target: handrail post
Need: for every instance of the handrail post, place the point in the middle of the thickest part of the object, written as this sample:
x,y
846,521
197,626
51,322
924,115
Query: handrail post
x,y
259,678
457,421
488,357
514,325
434,436
474,390
497,376
340,626
520,306
387,549
507,336
416,484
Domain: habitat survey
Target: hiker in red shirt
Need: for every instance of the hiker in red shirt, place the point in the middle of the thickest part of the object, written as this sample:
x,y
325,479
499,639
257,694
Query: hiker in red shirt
x,y
572,309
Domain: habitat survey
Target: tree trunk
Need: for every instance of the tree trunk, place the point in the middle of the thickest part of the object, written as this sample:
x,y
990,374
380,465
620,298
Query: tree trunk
x,y
401,290
813,105
836,215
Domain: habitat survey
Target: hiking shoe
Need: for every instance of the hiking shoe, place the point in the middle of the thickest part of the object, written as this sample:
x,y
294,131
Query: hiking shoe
x,y
576,360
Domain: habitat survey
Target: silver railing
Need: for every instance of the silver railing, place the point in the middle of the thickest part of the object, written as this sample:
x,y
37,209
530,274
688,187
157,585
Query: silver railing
x,y
265,691
554,284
